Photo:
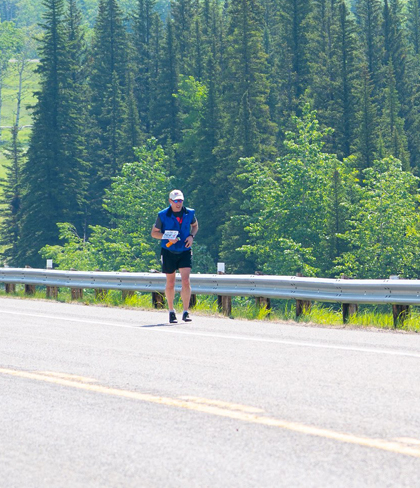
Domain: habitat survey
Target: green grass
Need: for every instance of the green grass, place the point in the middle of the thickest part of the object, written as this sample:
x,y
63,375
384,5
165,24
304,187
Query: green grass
x,y
245,308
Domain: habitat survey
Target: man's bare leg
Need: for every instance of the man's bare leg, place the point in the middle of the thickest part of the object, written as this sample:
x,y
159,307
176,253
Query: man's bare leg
x,y
185,291
170,290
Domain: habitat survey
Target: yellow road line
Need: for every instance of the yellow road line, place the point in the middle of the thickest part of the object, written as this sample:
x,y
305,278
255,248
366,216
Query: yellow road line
x,y
67,376
391,446
219,403
408,440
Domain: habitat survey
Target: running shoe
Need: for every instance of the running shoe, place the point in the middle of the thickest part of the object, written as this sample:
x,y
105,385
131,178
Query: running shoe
x,y
186,317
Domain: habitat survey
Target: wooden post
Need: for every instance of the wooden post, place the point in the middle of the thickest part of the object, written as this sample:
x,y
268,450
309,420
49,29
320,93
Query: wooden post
x,y
399,312
262,302
29,289
224,303
100,293
126,293
302,306
349,309
76,293
51,291
158,298
193,300
10,287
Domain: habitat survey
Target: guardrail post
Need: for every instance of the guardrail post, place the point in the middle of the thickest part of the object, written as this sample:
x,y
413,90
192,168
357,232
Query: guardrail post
x,y
193,300
262,302
76,293
100,293
302,306
51,291
224,303
399,312
126,293
349,309
29,289
10,287
158,298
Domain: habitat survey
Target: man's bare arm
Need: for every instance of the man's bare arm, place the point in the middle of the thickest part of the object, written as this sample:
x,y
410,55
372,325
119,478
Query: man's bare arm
x,y
194,228
156,233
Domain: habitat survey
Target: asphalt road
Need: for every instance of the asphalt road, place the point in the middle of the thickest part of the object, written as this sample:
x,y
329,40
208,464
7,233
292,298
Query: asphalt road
x,y
104,397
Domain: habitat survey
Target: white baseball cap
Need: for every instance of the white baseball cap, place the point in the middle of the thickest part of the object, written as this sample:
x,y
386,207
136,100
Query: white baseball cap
x,y
176,195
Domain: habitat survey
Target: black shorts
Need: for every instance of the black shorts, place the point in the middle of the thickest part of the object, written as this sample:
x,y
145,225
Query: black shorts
x,y
172,261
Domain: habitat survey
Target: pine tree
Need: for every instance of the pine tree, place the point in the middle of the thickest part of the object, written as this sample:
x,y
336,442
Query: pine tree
x,y
11,197
293,55
146,37
206,170
246,89
369,16
183,14
198,53
367,127
272,47
247,129
53,177
346,73
77,99
412,118
108,108
165,107
392,126
321,48
413,27
395,48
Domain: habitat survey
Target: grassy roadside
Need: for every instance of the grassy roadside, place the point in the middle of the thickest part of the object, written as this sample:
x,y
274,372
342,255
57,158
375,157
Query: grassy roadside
x,y
245,309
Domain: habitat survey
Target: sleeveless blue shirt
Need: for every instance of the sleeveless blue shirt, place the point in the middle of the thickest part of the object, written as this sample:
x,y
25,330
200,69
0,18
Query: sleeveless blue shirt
x,y
170,222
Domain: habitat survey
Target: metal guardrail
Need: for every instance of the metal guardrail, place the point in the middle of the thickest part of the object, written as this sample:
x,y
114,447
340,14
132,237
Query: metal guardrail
x,y
394,291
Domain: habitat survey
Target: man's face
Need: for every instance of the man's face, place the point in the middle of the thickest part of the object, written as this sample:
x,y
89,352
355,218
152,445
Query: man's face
x,y
176,205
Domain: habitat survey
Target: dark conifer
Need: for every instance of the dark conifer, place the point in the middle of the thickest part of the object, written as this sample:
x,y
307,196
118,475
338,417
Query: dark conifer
x,y
369,16
322,29
392,125
413,26
183,14
108,109
294,54
11,196
346,73
146,38
249,130
165,107
366,142
53,177
395,48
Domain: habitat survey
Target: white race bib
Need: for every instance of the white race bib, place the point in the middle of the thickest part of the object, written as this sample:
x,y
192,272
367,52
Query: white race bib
x,y
170,234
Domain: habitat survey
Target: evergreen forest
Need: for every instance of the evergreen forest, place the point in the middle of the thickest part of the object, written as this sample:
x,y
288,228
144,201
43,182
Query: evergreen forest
x,y
291,126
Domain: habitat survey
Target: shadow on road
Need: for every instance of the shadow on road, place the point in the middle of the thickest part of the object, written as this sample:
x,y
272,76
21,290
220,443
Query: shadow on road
x,y
158,325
